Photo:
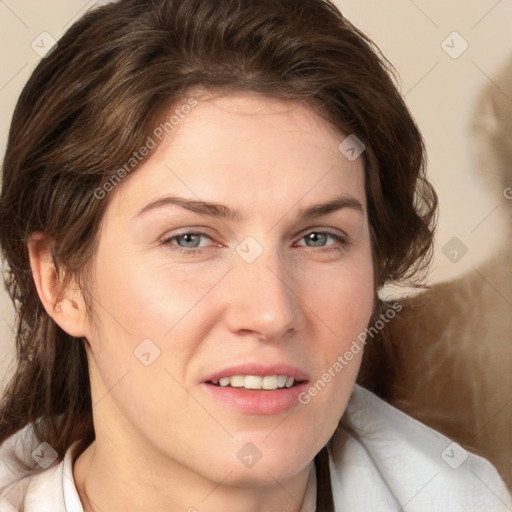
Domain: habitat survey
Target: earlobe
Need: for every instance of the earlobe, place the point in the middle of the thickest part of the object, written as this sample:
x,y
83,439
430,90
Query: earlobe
x,y
66,307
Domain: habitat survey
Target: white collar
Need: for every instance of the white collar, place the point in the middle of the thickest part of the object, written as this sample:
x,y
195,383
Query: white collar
x,y
394,462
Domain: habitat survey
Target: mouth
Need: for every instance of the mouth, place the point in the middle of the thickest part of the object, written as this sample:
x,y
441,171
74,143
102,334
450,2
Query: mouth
x,y
260,401
256,389
256,382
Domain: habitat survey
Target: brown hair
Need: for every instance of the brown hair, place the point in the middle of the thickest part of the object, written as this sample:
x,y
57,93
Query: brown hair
x,y
93,101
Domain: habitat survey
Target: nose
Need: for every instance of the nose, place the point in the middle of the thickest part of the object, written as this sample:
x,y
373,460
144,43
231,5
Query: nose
x,y
262,298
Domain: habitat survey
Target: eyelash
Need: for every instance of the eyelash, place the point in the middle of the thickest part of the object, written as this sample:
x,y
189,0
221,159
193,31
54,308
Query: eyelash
x,y
342,240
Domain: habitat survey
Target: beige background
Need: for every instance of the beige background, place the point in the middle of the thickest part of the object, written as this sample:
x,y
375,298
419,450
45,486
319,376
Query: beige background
x,y
439,89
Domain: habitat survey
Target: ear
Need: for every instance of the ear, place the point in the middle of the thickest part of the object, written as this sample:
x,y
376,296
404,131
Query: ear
x,y
68,308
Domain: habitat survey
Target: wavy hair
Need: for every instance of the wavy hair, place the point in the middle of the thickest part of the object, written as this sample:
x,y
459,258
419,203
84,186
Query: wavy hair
x,y
93,101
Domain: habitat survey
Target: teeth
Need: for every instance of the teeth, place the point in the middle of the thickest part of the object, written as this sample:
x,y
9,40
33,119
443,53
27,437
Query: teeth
x,y
281,380
237,381
253,382
256,382
224,381
269,382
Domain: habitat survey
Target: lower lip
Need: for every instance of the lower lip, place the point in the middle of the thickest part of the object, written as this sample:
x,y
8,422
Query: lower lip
x,y
256,401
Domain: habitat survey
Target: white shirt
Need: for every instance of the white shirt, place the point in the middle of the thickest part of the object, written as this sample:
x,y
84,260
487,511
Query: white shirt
x,y
393,463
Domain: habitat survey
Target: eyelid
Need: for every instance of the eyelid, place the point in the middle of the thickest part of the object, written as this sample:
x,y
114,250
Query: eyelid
x,y
342,239
329,230
167,240
339,236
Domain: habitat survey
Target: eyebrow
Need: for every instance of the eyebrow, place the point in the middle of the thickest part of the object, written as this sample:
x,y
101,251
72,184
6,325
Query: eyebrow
x,y
224,212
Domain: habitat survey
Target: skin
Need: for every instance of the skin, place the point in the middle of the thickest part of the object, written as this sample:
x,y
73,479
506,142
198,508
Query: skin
x,y
161,442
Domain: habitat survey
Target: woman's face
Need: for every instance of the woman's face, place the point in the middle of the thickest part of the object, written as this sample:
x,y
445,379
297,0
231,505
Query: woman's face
x,y
252,272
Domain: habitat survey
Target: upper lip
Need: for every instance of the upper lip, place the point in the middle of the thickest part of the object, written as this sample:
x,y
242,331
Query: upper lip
x,y
258,369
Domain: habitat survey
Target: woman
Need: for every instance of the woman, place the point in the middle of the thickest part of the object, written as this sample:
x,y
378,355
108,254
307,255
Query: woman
x,y
200,204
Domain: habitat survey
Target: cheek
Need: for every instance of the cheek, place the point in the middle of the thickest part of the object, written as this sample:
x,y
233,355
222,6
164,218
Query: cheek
x,y
149,314
343,308
141,341
151,299
343,297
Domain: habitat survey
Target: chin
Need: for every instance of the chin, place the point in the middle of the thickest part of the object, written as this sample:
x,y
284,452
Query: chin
x,y
276,462
264,475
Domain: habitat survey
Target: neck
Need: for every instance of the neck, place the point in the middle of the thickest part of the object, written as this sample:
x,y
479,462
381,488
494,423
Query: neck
x,y
117,483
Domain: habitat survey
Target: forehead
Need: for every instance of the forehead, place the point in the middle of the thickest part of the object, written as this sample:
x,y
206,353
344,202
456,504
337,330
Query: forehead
x,y
245,149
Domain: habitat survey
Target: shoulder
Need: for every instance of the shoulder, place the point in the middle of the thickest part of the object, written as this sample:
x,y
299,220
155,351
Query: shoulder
x,y
12,482
393,460
38,488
